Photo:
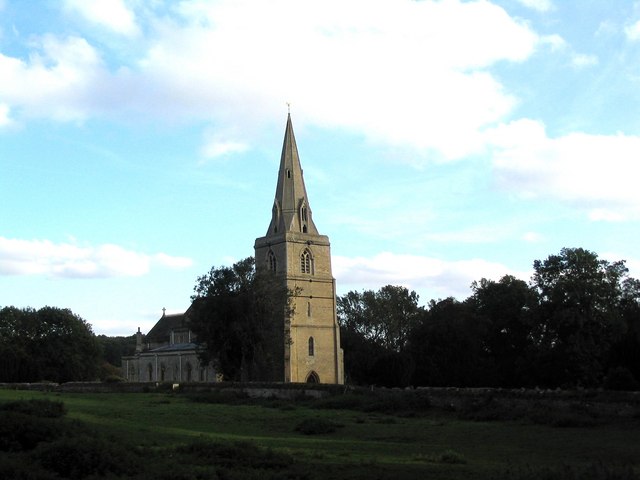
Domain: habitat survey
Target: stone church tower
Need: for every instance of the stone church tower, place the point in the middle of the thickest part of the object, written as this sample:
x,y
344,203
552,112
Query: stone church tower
x,y
295,250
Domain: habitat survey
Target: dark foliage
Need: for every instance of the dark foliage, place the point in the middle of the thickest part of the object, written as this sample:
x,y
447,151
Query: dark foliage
x,y
36,407
238,313
236,454
48,344
577,324
317,426
19,431
596,471
375,329
78,457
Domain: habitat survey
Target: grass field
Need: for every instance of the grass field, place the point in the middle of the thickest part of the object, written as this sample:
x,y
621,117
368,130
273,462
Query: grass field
x,y
429,444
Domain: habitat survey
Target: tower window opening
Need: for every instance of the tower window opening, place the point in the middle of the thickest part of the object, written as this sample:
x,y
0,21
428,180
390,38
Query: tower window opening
x,y
288,173
306,262
311,347
308,309
271,261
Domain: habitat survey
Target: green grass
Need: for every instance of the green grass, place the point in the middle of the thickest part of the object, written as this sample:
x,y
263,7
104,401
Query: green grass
x,y
431,445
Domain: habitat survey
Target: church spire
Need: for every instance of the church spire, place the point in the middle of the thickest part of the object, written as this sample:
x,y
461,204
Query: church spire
x,y
291,211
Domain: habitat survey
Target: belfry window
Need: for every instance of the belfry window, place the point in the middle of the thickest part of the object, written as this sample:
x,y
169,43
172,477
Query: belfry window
x,y
271,261
306,262
311,347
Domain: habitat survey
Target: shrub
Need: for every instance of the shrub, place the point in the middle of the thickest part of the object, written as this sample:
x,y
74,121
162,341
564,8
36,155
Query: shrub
x,y
16,469
315,426
239,454
451,457
39,408
596,471
24,432
81,456
621,378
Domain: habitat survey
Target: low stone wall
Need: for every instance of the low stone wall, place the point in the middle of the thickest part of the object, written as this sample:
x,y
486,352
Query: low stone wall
x,y
609,403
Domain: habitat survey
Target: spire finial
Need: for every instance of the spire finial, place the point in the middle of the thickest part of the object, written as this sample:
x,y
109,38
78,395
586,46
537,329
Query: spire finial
x,y
163,311
289,108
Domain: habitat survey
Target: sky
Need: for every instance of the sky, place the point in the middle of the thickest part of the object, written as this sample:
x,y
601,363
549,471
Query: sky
x,y
442,142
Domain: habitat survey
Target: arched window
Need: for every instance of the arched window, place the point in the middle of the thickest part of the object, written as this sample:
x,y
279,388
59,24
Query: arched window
x,y
189,369
150,372
311,347
313,378
306,262
162,372
271,261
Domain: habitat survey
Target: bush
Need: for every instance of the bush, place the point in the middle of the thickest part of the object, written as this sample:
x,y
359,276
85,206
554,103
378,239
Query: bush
x,y
316,426
239,454
15,469
24,432
81,456
451,457
621,378
39,408
596,471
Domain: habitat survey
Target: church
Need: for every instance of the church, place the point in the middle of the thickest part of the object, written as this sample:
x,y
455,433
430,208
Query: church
x,y
301,258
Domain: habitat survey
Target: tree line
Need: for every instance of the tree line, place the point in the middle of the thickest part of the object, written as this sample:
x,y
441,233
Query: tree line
x,y
54,344
575,324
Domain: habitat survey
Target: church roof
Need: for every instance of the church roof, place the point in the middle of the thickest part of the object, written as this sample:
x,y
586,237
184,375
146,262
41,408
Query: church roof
x,y
291,210
163,327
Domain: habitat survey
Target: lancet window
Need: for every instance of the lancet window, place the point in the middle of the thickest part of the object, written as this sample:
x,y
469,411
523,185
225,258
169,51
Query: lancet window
x,y
306,262
271,261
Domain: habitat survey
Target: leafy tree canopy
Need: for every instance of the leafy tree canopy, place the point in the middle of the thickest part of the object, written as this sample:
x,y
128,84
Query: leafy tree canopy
x,y
238,314
47,344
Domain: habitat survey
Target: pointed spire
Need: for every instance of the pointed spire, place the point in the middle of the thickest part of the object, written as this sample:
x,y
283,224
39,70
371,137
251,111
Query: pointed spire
x,y
291,210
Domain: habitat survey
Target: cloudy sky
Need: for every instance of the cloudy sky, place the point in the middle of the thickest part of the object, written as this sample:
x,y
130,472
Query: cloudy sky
x,y
442,141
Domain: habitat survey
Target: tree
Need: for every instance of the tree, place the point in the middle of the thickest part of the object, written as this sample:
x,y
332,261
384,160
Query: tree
x,y
579,316
47,344
375,329
447,347
506,308
238,314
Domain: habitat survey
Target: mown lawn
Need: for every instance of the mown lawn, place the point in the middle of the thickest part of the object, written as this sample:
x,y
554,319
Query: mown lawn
x,y
434,444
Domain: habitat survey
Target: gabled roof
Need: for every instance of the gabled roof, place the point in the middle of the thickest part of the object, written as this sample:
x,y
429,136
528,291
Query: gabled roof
x,y
291,210
162,329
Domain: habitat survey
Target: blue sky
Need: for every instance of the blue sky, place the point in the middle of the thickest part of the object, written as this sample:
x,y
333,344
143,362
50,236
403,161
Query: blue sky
x,y
442,141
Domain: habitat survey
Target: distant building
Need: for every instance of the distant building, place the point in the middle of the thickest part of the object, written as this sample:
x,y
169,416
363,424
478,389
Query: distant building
x,y
168,353
301,258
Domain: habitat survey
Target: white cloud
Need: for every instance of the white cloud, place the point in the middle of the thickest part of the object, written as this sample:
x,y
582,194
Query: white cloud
x,y
539,5
111,14
69,260
580,60
533,237
633,31
59,79
222,144
5,120
438,278
597,172
401,72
